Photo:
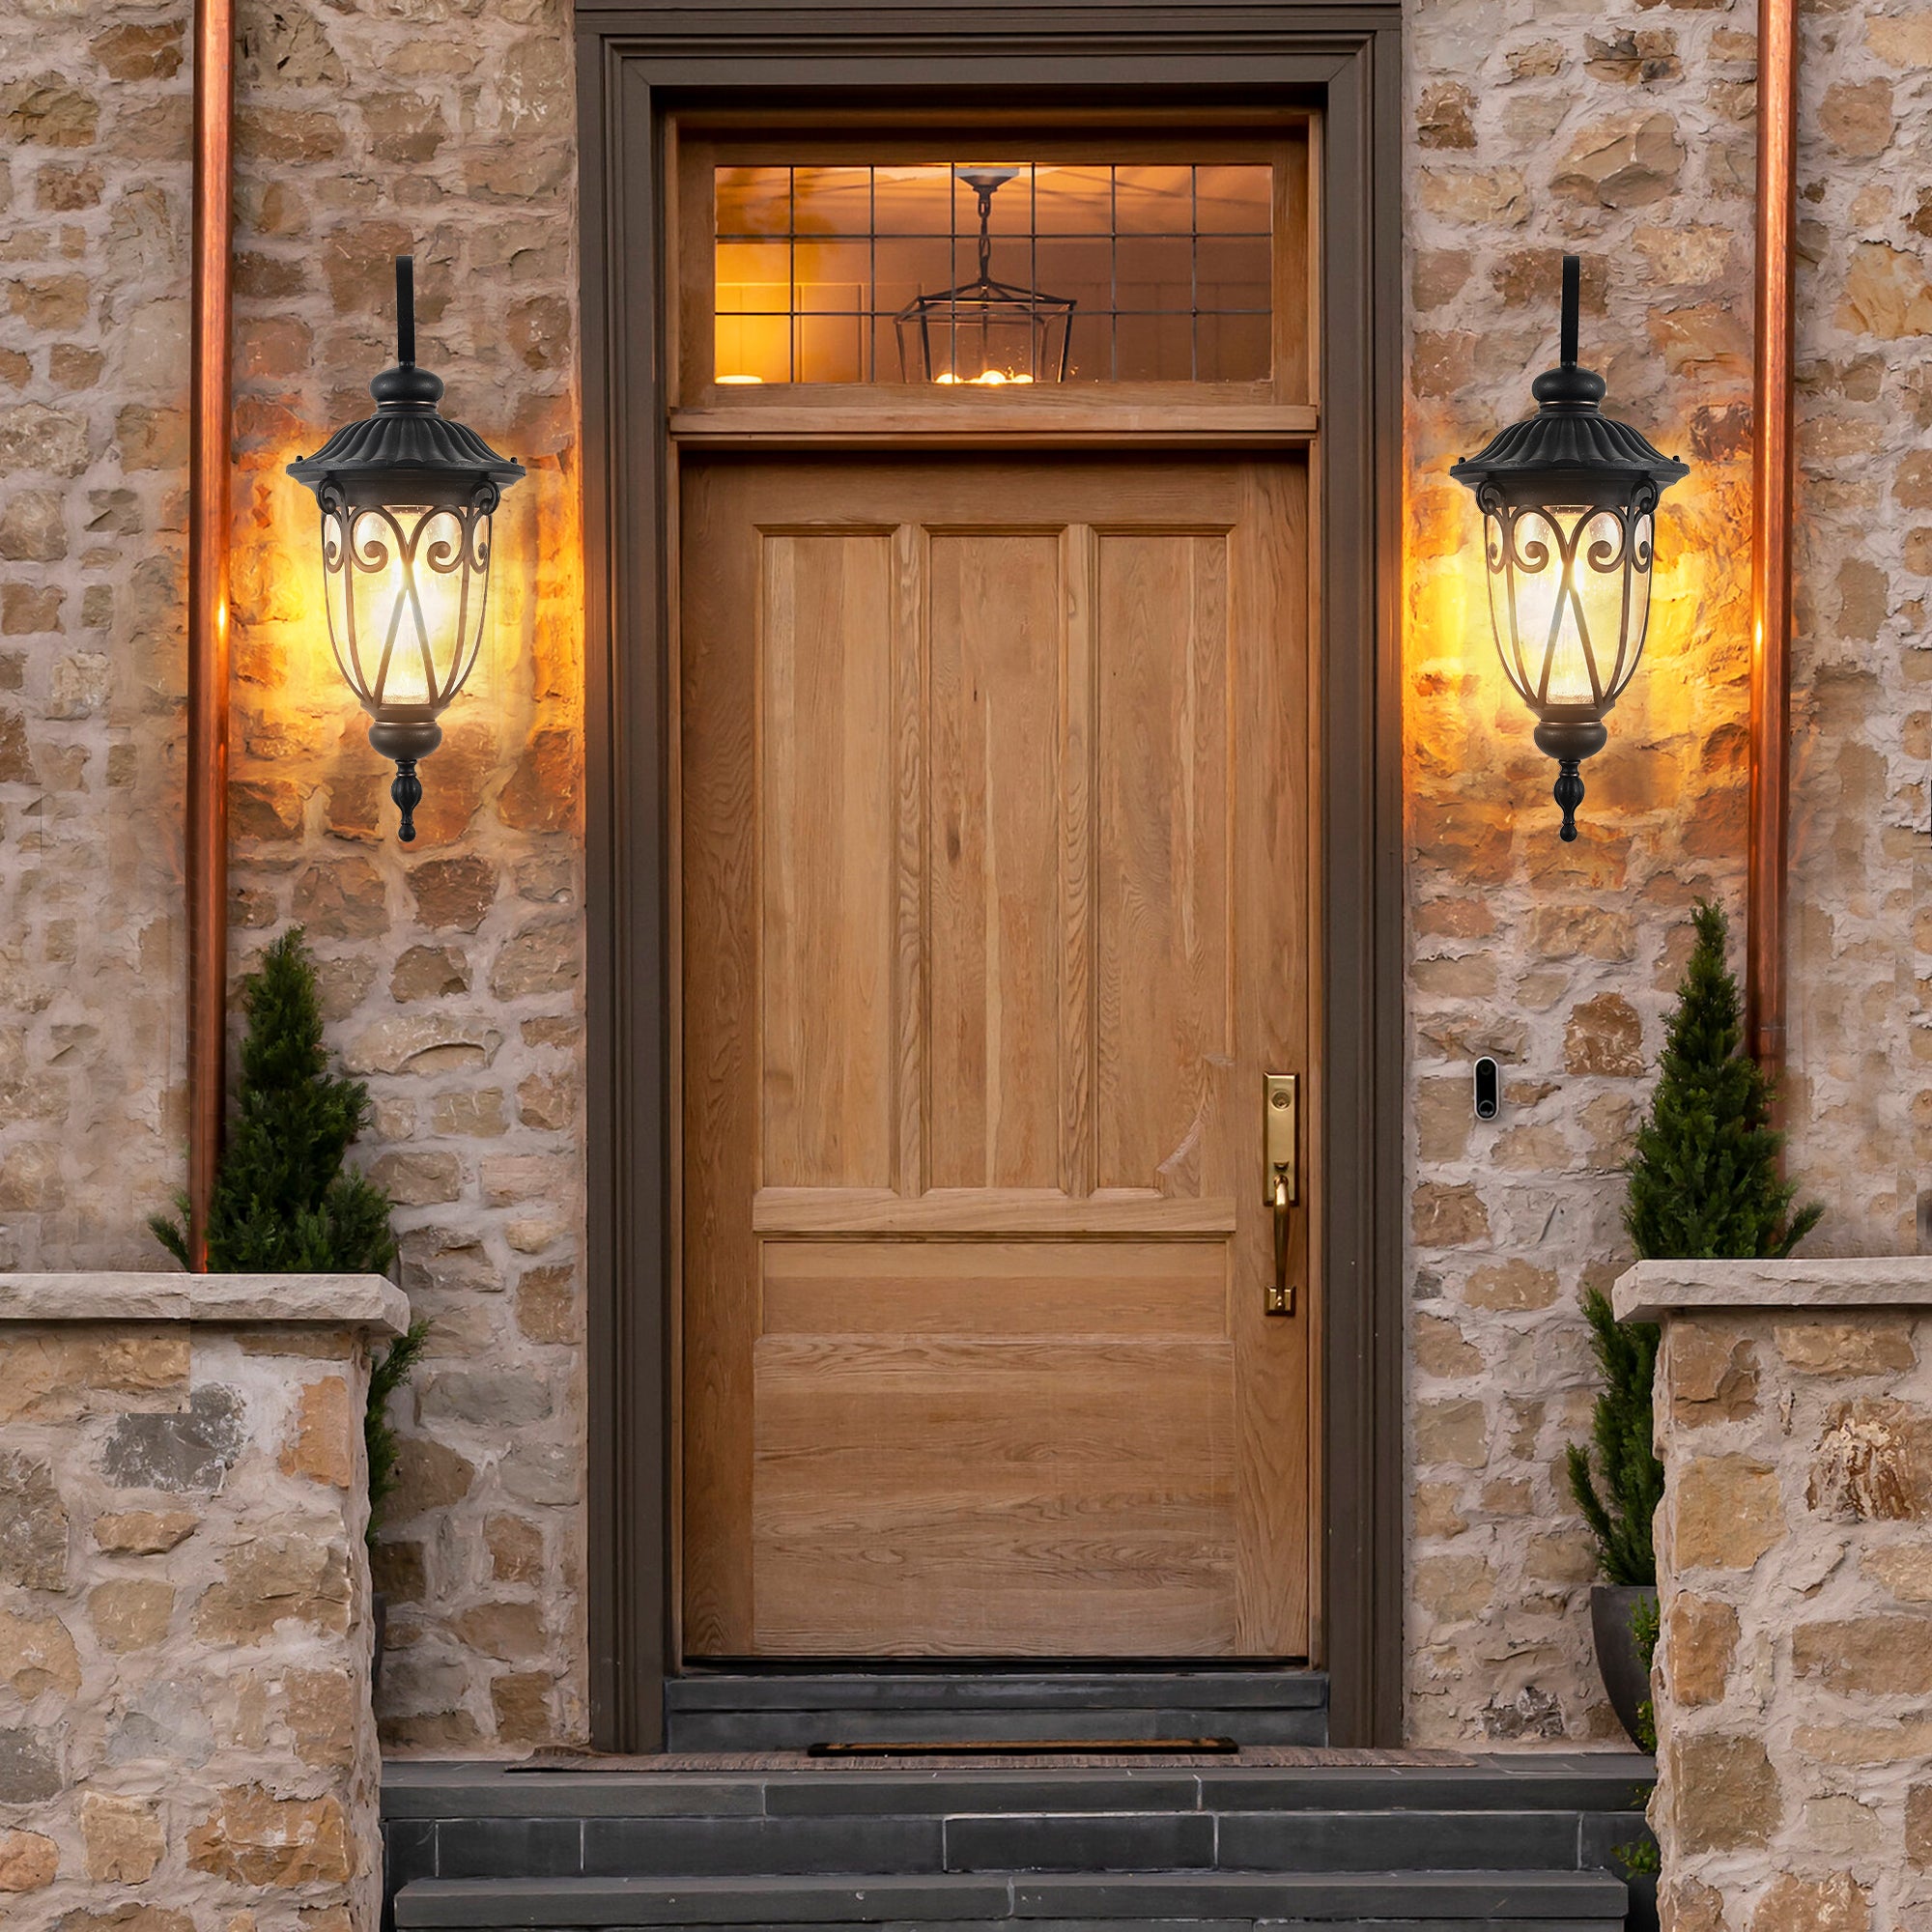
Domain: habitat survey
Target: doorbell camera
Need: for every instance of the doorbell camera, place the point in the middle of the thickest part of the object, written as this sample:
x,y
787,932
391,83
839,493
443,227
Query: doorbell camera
x,y
1488,1089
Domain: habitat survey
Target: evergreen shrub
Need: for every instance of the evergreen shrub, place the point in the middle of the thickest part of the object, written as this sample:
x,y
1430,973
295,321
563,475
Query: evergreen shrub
x,y
1704,1186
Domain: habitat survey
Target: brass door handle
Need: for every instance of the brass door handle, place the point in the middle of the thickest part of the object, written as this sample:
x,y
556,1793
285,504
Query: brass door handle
x,y
1281,1290
1280,1153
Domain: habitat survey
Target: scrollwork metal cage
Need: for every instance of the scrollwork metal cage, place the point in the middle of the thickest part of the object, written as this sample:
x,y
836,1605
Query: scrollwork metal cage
x,y
407,498
1569,499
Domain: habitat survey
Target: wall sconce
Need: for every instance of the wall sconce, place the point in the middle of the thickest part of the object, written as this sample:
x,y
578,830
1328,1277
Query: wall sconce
x,y
1569,501
987,332
406,496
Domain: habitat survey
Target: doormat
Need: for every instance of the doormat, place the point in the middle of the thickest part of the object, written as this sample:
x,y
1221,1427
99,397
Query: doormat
x,y
1045,1748
1010,1757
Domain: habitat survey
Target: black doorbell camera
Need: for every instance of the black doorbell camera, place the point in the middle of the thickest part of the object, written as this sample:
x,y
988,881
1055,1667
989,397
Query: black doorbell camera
x,y
1488,1089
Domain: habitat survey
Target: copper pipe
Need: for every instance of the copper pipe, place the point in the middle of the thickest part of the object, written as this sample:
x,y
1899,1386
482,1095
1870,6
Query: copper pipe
x,y
208,542
1771,531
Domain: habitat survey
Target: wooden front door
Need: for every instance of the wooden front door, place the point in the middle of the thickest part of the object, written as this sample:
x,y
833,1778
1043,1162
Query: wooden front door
x,y
996,912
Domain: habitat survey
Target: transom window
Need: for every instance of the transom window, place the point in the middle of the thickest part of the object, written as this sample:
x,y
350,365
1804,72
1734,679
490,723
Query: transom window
x,y
995,274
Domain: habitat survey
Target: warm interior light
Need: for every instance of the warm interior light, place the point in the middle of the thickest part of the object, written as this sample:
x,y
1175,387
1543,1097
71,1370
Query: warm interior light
x,y
741,378
1569,616
991,379
406,587
1168,268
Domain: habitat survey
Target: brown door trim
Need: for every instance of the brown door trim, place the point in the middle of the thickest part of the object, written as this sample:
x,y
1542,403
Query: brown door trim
x,y
633,64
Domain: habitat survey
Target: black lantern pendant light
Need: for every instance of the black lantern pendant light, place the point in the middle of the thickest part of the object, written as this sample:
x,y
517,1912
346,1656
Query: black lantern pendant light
x,y
986,333
1569,501
407,497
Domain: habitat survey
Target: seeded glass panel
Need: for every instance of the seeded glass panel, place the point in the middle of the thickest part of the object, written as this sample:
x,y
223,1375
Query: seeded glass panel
x,y
1169,269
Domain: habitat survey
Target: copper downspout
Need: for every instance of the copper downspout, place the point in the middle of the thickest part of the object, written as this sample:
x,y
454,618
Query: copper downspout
x,y
1771,531
208,541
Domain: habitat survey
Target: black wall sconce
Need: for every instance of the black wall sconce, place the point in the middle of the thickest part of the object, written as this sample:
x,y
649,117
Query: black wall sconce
x,y
407,497
1569,500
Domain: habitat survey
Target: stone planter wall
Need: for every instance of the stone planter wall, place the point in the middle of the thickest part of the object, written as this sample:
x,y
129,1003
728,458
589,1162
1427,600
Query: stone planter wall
x,y
1794,1675
185,1738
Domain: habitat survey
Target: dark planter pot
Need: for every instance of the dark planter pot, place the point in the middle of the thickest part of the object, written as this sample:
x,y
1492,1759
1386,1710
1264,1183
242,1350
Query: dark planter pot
x,y
1640,1914
379,1617
1625,1676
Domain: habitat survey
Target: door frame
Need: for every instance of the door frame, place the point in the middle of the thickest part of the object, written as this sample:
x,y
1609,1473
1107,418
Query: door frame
x,y
635,64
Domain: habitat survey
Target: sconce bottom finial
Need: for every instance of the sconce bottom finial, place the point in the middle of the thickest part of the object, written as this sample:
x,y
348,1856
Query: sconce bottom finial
x,y
1568,793
405,732
408,792
1569,739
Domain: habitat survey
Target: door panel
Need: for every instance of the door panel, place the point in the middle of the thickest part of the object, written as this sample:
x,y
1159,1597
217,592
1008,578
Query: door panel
x,y
995,910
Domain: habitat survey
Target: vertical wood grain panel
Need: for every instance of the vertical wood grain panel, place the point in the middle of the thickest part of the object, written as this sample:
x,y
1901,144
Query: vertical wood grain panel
x,y
829,939
909,861
718,586
1272,750
994,945
1161,903
1078,664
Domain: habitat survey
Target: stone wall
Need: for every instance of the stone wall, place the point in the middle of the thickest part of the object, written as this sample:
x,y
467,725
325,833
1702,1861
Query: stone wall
x,y
93,303
1860,1093
185,1633
451,969
1625,136
1794,1418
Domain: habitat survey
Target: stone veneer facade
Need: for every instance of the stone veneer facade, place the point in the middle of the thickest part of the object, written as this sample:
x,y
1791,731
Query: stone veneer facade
x,y
1794,1416
185,1630
452,969
1625,133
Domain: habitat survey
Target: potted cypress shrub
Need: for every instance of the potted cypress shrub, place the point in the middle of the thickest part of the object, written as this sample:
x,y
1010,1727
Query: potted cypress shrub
x,y
284,1201
1704,1186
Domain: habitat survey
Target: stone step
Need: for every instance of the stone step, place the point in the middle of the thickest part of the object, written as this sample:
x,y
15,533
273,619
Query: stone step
x,y
789,1710
1581,1781
987,1841
1429,1901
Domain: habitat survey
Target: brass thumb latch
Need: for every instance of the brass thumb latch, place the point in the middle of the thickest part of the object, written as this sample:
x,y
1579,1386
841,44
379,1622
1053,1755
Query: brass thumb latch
x,y
1279,1136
